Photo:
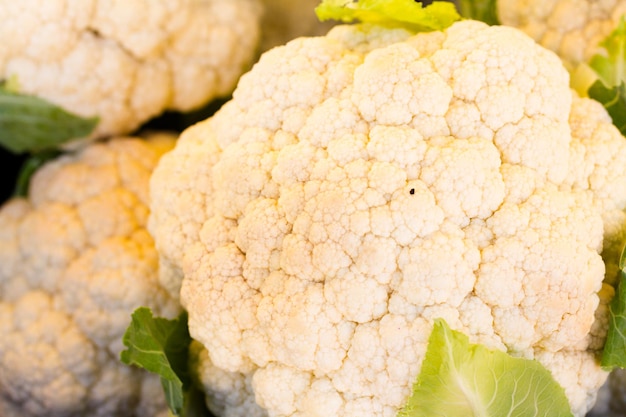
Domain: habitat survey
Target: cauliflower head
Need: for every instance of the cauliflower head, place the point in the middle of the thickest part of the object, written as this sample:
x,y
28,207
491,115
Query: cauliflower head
x,y
360,185
75,261
127,61
573,29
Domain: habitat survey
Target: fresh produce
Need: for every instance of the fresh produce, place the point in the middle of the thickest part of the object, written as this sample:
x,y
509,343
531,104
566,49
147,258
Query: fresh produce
x,y
612,396
602,78
164,347
362,185
31,124
590,37
388,193
127,61
458,378
75,261
573,29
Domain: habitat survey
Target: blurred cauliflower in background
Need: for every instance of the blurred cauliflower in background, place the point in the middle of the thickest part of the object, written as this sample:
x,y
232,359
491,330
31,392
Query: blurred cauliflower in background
x,y
127,61
75,261
571,28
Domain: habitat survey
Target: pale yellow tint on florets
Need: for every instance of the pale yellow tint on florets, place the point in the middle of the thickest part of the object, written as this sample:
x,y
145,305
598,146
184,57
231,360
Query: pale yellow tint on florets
x,y
75,261
360,185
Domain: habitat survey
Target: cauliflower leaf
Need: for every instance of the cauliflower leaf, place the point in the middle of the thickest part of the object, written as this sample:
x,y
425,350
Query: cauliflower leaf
x,y
460,379
611,68
613,99
483,10
161,346
29,123
603,77
614,352
605,74
408,14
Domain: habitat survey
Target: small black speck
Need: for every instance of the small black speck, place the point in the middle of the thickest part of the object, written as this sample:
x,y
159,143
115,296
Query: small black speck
x,y
412,191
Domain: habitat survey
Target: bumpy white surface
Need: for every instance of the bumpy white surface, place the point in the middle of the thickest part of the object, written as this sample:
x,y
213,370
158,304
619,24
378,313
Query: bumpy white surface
x,y
127,61
75,261
360,185
571,28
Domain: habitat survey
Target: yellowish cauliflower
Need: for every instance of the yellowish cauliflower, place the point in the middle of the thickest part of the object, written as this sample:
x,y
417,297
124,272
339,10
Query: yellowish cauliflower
x,y
360,185
75,261
571,28
127,61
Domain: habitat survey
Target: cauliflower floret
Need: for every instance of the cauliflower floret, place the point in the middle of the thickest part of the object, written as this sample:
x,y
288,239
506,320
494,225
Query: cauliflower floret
x,y
360,185
573,29
232,394
127,61
75,261
596,164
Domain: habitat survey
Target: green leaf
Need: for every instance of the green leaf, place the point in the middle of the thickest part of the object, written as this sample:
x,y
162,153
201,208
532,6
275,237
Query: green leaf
x,y
161,346
30,124
610,69
409,14
11,84
459,379
483,10
614,101
611,65
614,352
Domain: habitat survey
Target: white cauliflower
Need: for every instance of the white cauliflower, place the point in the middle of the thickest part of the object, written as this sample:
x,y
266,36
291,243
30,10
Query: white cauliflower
x,y
75,261
360,185
571,28
127,61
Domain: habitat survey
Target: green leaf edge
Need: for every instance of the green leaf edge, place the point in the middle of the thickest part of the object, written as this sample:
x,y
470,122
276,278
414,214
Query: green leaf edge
x,y
442,330
605,76
408,14
31,124
173,371
611,66
614,351
483,10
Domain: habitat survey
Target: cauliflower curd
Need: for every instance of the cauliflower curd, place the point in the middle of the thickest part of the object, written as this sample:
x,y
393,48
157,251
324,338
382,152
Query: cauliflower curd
x,y
360,185
75,261
127,61
571,28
